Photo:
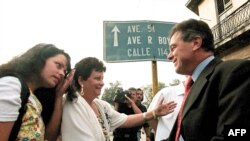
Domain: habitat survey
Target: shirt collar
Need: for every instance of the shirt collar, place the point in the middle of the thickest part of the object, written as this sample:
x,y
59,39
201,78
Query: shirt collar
x,y
201,67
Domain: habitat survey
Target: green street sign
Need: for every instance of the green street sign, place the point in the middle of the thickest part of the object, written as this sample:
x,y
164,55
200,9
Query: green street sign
x,y
126,41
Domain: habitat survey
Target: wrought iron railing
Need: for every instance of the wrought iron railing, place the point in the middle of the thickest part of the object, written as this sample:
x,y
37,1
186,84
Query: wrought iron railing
x,y
233,23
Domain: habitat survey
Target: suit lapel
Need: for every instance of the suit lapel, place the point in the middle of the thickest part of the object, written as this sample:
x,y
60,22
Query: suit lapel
x,y
199,84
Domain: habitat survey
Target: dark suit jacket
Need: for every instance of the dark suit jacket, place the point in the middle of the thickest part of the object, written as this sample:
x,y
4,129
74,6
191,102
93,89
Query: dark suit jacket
x,y
220,96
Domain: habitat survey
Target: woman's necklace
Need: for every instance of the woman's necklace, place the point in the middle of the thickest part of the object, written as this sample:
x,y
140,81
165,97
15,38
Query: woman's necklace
x,y
101,121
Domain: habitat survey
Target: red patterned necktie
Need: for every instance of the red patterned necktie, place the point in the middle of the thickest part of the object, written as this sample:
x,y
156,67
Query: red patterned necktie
x,y
188,84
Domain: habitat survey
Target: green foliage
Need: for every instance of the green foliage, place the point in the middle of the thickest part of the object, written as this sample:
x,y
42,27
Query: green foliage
x,y
148,94
109,93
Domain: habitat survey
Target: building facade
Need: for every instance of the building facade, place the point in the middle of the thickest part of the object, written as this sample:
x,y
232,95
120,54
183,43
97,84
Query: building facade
x,y
230,24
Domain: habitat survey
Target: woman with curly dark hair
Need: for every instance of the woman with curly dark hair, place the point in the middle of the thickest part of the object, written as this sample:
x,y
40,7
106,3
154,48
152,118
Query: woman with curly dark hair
x,y
40,75
86,117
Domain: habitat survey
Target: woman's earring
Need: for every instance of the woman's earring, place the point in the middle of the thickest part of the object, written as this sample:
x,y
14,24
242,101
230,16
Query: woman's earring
x,y
82,93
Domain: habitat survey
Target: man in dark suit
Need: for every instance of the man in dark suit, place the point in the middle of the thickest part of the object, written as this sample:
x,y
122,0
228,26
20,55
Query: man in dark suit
x,y
219,97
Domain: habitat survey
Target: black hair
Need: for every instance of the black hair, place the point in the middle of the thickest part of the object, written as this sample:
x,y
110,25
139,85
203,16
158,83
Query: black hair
x,y
29,66
191,28
84,69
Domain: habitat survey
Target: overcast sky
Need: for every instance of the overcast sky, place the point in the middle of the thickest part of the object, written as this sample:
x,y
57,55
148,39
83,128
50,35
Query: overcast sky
x,y
77,27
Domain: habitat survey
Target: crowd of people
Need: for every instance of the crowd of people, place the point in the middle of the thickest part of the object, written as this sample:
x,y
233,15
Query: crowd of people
x,y
42,98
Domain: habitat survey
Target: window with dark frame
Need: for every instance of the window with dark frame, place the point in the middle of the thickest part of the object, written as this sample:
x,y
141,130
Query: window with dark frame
x,y
223,5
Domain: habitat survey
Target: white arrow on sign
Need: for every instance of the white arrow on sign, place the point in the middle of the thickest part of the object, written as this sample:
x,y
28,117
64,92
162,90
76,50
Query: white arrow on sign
x,y
115,30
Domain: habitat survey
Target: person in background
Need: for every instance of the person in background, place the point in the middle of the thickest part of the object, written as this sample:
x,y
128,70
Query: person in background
x,y
219,96
129,108
140,97
85,117
162,126
41,69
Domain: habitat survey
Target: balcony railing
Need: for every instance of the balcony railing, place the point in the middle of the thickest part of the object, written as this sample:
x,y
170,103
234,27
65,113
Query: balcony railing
x,y
233,23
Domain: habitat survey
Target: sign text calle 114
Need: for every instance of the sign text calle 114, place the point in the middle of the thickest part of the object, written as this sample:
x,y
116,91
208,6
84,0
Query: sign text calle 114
x,y
136,41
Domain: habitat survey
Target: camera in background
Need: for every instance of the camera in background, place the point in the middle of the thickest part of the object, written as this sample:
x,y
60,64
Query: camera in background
x,y
120,96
